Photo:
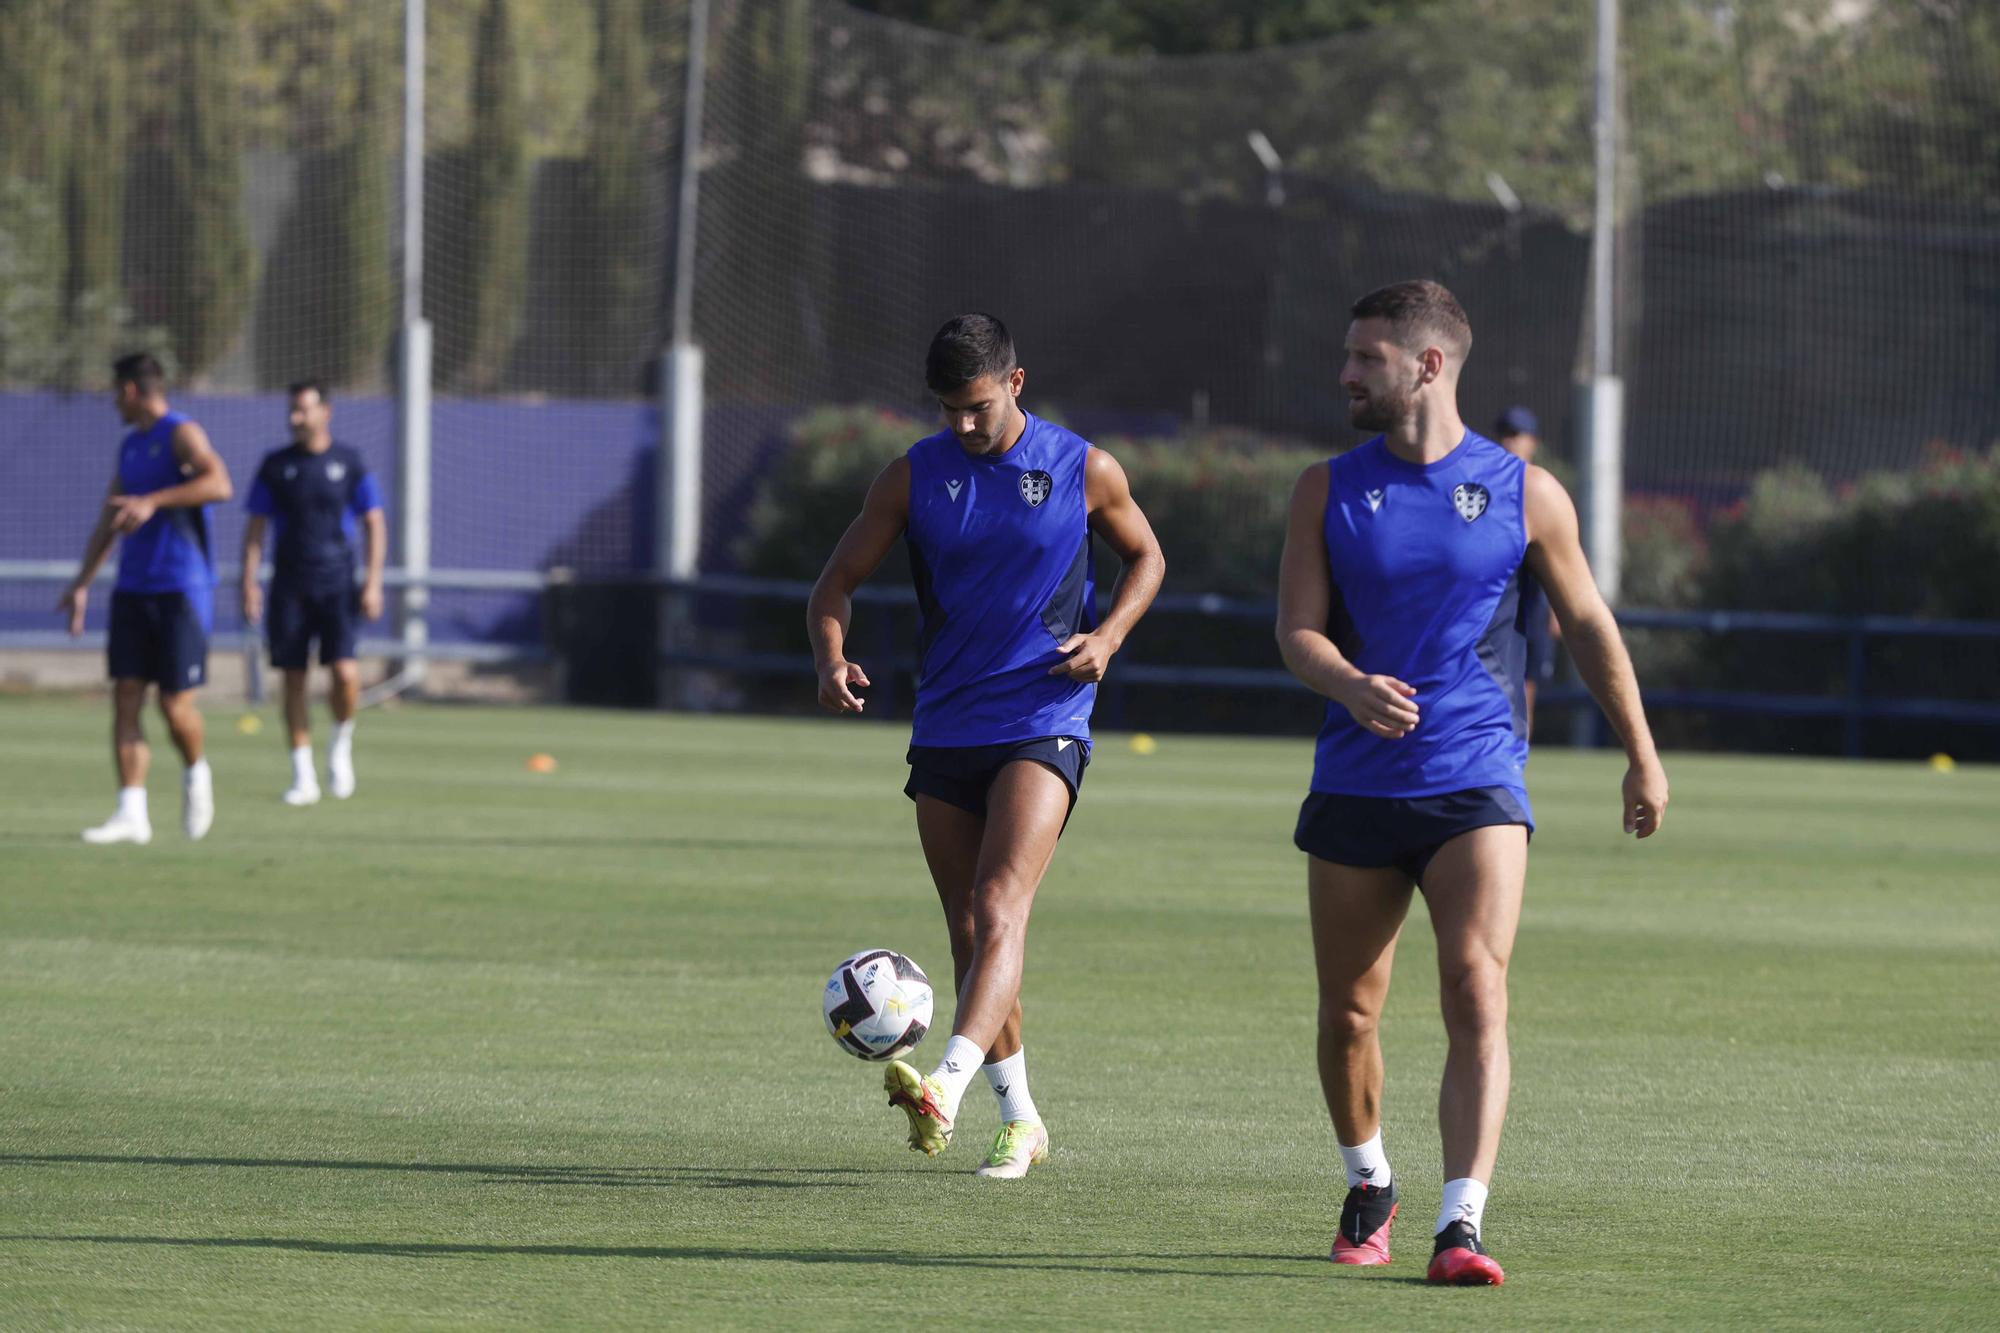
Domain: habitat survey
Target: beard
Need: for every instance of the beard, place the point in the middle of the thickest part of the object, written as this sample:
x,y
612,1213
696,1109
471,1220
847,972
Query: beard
x,y
1385,410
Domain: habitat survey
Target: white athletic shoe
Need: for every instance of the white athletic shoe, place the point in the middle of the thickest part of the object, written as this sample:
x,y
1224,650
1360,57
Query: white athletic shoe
x,y
340,774
120,828
197,806
304,792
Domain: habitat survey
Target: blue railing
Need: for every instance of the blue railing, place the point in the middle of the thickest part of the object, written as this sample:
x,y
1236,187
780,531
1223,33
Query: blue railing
x,y
1854,706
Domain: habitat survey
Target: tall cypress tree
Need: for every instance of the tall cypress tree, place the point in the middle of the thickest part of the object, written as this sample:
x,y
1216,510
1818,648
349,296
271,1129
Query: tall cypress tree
x,y
325,309
94,177
621,250
31,147
476,239
188,239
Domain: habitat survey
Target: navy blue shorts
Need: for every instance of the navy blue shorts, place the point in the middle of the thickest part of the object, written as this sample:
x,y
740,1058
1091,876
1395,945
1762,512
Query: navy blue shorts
x,y
961,775
293,618
160,637
1405,832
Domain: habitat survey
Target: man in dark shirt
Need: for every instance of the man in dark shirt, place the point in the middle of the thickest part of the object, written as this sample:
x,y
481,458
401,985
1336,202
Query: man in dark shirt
x,y
313,492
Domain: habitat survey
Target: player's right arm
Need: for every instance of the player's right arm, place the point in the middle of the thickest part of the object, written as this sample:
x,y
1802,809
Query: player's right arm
x,y
884,515
253,564
1382,704
76,598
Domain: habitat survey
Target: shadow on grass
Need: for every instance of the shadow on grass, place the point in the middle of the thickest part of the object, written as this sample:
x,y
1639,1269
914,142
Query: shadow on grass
x,y
563,842
1132,1265
612,1177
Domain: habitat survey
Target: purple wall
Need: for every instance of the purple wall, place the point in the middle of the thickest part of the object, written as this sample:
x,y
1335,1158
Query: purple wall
x,y
515,486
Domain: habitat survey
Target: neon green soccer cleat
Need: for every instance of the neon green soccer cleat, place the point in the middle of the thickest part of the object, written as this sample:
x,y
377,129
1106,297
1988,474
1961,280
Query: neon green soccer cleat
x,y
921,1100
1019,1145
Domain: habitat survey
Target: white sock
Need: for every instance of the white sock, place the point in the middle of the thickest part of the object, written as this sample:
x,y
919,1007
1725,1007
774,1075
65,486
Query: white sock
x,y
302,765
1009,1078
1367,1164
197,773
132,803
1464,1201
962,1059
343,735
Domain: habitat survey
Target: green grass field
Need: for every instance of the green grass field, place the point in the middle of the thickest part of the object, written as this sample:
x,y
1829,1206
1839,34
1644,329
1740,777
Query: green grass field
x,y
487,1047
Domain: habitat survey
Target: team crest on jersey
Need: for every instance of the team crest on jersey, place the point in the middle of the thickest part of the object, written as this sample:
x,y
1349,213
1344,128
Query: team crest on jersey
x,y
1469,498
335,471
1035,487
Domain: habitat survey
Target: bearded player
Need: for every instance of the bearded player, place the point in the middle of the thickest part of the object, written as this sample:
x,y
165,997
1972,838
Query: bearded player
x,y
1399,599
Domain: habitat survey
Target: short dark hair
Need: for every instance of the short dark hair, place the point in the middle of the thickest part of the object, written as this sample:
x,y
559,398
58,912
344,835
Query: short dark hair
x,y
140,368
298,387
1422,314
967,348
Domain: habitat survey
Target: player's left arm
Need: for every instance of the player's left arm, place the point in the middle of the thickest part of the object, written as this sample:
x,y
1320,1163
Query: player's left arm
x,y
375,549
364,501
1116,517
207,482
1556,559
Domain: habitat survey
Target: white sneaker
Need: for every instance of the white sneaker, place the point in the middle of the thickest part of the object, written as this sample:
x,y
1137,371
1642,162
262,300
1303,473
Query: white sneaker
x,y
197,806
120,827
340,774
302,792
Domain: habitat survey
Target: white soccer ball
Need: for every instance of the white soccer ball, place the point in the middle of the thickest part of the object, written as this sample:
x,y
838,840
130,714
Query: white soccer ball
x,y
877,1004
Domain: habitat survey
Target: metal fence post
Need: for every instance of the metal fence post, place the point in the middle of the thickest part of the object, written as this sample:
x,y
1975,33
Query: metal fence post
x,y
1857,689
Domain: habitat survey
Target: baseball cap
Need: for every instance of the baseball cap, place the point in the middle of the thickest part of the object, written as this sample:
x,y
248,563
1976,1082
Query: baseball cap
x,y
1517,421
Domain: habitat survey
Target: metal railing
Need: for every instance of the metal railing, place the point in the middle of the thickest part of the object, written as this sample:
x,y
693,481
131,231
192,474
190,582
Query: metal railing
x,y
1853,707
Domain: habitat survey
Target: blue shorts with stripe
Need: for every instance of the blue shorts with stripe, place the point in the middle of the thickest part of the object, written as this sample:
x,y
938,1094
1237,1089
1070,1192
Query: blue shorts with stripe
x,y
961,775
161,637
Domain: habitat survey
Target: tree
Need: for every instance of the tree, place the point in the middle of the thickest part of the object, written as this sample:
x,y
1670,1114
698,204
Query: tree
x,y
327,307
622,242
1149,27
476,230
94,167
191,263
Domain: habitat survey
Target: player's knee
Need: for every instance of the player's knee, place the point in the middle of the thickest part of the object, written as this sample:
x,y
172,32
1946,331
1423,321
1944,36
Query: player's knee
x,y
995,917
1474,994
1344,1020
347,673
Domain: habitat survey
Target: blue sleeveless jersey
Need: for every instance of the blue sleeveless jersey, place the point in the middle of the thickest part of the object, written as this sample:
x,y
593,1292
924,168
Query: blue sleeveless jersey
x,y
1427,587
1000,552
170,552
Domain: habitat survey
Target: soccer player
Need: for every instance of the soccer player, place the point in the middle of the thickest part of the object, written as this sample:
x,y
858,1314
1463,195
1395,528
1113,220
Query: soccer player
x,y
1399,600
313,491
998,511
163,605
1519,433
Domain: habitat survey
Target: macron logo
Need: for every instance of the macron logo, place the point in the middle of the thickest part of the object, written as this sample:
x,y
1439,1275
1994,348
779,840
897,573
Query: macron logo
x,y
1374,499
952,487
1063,743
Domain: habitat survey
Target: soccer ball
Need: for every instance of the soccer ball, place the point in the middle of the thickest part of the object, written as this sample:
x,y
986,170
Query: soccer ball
x,y
877,1004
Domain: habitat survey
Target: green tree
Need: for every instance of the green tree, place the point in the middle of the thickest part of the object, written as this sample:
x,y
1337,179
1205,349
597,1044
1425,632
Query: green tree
x,y
622,242
476,228
326,308
94,166
1153,27
191,262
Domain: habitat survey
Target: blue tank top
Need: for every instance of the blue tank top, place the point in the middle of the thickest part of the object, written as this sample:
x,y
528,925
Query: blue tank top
x,y
170,552
1000,553
1427,574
